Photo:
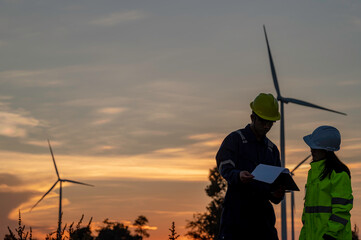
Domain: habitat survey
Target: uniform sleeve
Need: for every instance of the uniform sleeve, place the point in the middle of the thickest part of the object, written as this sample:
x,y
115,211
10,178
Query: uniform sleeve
x,y
226,160
342,202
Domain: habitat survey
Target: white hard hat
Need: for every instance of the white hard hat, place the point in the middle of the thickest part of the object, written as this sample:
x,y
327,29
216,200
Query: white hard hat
x,y
324,137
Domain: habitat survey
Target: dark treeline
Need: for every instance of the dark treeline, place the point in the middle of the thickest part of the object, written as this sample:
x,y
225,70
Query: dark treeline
x,y
109,231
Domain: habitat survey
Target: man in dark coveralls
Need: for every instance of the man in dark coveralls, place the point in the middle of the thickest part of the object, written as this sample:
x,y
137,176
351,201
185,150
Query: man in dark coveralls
x,y
247,212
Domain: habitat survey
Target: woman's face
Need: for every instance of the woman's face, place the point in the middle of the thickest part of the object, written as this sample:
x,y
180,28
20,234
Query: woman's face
x,y
318,154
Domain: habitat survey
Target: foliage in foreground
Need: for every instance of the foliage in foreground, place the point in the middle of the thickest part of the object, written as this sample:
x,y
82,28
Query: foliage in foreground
x,y
110,231
205,226
20,231
116,230
355,233
140,222
71,233
173,234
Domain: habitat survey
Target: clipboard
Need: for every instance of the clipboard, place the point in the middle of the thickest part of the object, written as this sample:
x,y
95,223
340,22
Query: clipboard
x,y
276,176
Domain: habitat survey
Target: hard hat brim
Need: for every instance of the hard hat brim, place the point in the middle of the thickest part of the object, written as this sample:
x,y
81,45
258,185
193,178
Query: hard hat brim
x,y
309,141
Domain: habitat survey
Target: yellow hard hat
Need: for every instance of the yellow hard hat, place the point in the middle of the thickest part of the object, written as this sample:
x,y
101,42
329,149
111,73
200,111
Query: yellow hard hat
x,y
266,107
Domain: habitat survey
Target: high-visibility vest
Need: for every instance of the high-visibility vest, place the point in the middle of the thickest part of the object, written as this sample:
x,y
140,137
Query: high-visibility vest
x,y
327,205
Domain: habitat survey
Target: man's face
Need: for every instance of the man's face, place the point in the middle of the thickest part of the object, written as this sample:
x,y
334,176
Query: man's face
x,y
261,126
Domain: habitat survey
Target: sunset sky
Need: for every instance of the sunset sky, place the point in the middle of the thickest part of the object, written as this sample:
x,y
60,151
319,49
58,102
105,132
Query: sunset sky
x,y
137,96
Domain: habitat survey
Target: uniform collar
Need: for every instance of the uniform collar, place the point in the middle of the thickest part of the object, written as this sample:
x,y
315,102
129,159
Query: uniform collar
x,y
317,163
318,166
252,138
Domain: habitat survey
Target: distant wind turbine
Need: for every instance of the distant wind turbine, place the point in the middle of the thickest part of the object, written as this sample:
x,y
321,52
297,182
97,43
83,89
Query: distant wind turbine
x,y
60,194
283,100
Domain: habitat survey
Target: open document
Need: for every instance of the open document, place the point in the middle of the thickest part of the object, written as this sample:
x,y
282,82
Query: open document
x,y
277,176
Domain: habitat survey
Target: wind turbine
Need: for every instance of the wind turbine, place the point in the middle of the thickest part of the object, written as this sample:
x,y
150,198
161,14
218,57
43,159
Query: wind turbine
x,y
283,100
293,198
60,191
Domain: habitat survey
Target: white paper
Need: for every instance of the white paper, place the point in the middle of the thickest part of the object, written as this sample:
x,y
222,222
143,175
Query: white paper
x,y
268,173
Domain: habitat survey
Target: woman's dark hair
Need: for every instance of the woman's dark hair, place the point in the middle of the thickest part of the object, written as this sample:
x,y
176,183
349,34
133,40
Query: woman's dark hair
x,y
333,163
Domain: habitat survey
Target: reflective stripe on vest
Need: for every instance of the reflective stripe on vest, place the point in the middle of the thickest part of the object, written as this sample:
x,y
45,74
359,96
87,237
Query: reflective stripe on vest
x,y
270,145
244,140
318,209
338,219
342,201
224,163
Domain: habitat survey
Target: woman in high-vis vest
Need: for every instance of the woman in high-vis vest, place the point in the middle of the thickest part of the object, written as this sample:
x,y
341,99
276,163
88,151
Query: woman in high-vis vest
x,y
328,199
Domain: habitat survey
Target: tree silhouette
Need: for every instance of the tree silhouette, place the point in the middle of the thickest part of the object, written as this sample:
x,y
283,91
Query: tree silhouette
x,y
71,233
114,231
55,235
205,226
355,233
80,233
173,234
111,231
140,222
21,234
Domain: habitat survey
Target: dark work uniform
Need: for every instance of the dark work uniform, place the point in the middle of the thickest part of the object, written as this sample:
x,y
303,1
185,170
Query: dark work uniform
x,y
247,212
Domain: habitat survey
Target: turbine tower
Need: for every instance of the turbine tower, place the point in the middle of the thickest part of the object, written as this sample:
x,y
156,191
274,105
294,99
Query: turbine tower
x,y
60,192
283,100
293,199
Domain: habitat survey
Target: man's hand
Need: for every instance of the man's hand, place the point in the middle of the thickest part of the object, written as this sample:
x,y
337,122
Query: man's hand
x,y
279,193
245,176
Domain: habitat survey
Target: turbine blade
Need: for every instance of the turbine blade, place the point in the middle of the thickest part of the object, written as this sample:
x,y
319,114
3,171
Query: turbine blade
x,y
273,70
67,180
52,155
44,195
304,160
307,104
